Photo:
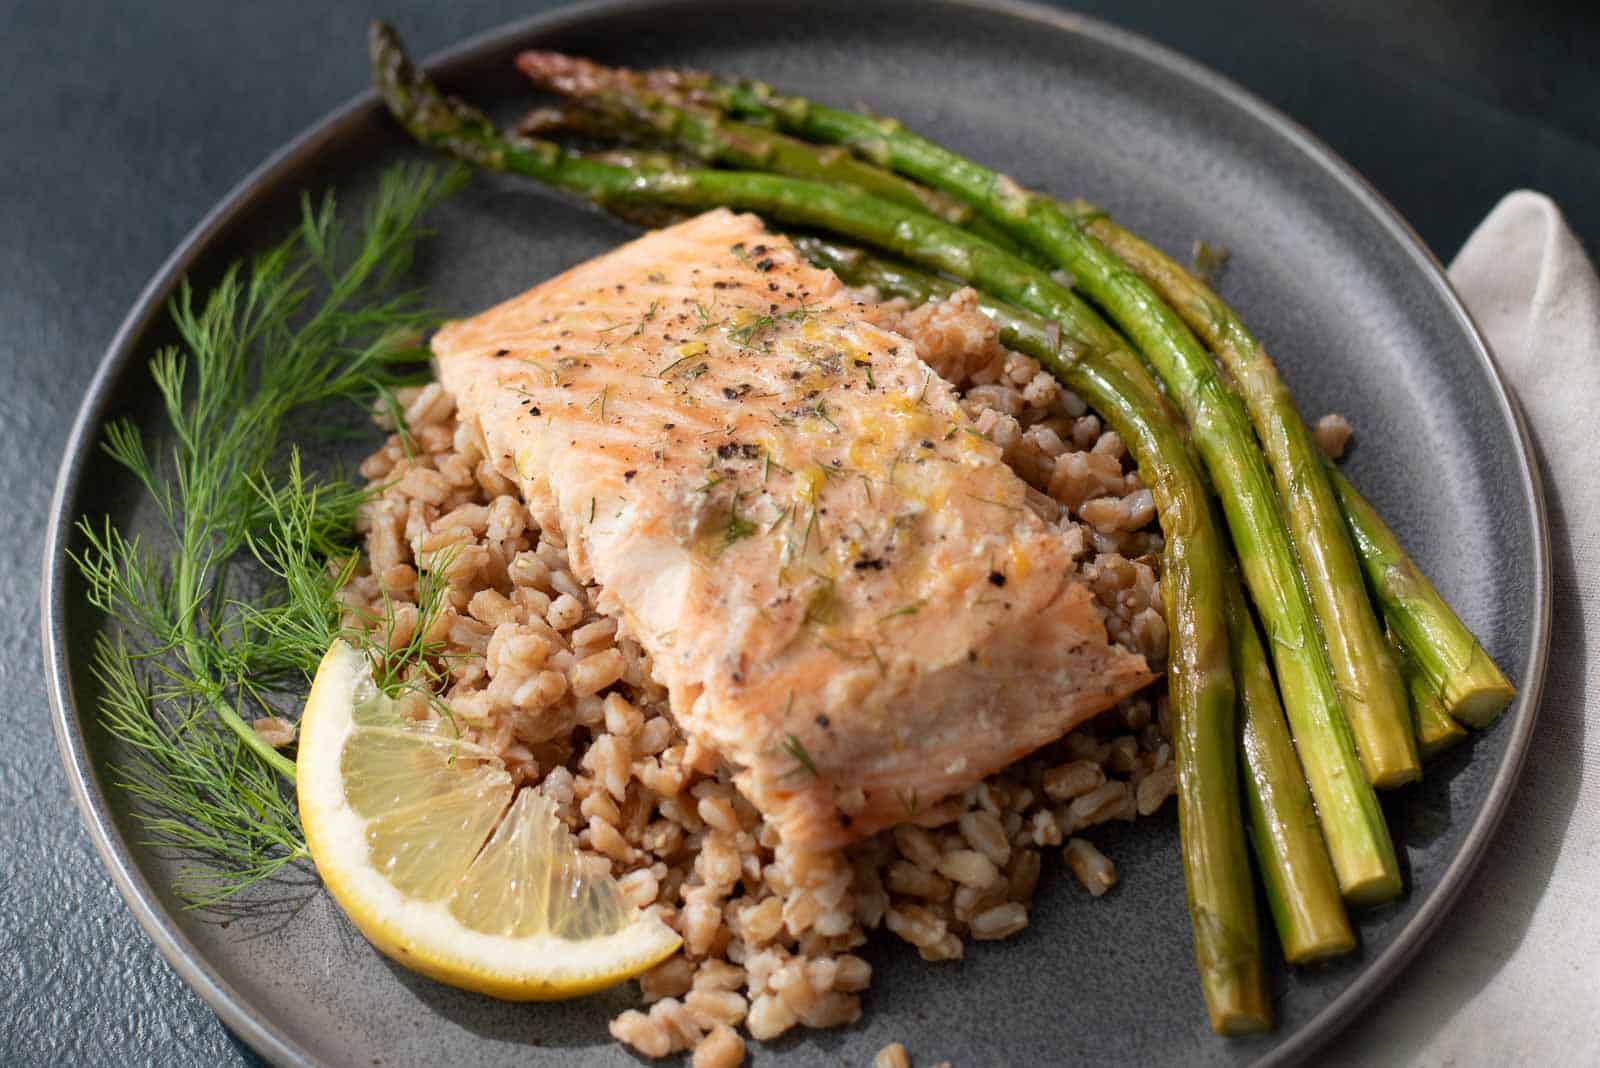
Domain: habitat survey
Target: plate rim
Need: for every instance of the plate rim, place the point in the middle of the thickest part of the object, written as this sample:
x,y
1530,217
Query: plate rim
x,y
249,1023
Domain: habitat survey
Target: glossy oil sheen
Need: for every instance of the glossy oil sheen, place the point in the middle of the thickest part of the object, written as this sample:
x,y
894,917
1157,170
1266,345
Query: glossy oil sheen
x,y
1354,310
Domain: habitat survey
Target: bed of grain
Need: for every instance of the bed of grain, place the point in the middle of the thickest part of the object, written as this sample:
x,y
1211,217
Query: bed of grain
x,y
567,698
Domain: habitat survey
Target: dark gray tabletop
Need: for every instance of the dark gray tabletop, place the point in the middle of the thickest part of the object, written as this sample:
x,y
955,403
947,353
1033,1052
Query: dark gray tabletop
x,y
121,124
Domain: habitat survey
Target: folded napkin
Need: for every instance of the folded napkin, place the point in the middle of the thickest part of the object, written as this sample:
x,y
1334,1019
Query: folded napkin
x,y
1513,974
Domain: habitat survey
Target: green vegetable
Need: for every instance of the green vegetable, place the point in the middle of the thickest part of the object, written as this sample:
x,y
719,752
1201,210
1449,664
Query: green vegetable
x,y
1429,632
1216,870
195,650
1444,651
1368,677
803,764
1302,891
715,138
1436,731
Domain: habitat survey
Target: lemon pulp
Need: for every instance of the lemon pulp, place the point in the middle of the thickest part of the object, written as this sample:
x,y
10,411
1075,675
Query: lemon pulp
x,y
445,866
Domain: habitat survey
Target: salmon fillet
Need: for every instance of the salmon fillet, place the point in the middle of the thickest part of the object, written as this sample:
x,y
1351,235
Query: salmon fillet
x,y
838,578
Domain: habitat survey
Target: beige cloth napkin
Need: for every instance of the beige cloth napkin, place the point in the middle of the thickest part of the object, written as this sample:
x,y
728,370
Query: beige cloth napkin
x,y
1512,977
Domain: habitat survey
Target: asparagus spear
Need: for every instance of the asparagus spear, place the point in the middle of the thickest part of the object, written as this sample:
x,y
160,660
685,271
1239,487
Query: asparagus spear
x,y
1436,731
1216,871
1359,840
1291,855
1226,938
1374,697
1444,651
1478,683
715,138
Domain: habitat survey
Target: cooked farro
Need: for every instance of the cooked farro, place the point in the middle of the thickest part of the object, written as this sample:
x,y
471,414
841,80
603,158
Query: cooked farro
x,y
537,671
1333,434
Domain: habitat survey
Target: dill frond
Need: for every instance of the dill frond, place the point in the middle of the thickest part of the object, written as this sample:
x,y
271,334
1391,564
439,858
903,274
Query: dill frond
x,y
224,619
202,792
803,764
738,526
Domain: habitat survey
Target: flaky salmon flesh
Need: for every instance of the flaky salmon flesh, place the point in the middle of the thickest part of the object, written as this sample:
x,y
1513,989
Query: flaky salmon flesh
x,y
837,577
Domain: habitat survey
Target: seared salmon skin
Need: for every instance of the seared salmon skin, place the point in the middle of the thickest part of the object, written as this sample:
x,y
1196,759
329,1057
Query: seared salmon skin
x,y
838,579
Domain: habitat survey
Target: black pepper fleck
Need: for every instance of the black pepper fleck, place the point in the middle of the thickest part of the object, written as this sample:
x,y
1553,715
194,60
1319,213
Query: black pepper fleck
x,y
996,579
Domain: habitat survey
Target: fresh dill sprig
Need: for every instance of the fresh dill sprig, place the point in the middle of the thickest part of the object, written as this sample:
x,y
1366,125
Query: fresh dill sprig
x,y
803,764
821,412
650,313
904,610
201,790
223,617
738,526
748,332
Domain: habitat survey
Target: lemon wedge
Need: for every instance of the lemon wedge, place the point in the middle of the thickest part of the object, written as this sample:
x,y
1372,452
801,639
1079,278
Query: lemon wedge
x,y
443,865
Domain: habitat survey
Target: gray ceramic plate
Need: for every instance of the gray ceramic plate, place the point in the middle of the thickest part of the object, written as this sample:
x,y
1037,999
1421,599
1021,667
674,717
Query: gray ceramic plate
x,y
1357,311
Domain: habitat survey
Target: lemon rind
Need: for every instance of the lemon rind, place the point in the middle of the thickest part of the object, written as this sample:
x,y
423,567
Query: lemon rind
x,y
424,935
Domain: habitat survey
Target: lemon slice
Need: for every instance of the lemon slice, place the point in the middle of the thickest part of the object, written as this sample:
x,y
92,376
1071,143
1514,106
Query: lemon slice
x,y
443,865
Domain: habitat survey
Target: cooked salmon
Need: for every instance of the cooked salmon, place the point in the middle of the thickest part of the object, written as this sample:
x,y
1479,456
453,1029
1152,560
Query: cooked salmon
x,y
838,578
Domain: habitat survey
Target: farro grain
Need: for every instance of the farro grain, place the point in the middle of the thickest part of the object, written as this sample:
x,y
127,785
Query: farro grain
x,y
913,881
984,832
1155,788
969,868
769,1017
1002,921
1097,805
670,978
647,1036
1092,867
1333,433
274,731
679,1022
1022,875
722,1048
1068,781
893,1055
